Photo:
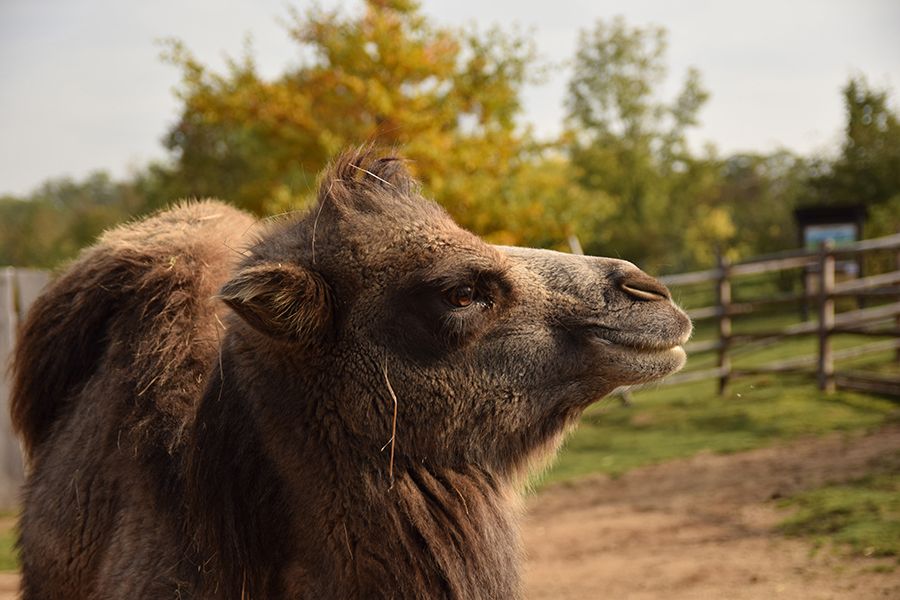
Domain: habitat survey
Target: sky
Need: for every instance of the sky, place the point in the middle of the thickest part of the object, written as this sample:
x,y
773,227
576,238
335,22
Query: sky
x,y
82,86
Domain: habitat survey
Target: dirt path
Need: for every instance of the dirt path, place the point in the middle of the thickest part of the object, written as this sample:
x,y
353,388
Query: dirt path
x,y
696,529
701,528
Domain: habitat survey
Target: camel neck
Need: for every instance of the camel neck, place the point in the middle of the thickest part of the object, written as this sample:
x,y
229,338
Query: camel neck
x,y
331,521
435,533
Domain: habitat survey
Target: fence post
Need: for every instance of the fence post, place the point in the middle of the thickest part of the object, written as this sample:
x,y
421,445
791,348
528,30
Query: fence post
x,y
11,469
826,316
897,318
723,299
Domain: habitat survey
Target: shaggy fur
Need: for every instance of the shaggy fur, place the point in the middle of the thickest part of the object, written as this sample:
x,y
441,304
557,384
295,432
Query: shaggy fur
x,y
345,410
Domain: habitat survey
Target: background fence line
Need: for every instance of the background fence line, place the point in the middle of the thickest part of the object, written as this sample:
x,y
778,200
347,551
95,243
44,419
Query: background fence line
x,y
820,265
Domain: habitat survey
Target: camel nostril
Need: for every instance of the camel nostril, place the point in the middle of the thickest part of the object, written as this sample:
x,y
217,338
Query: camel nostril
x,y
644,287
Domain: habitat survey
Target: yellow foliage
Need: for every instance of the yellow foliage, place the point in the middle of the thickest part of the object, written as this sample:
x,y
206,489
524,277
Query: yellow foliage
x,y
447,99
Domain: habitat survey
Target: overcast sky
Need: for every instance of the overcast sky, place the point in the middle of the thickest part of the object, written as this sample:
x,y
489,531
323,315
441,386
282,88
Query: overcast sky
x,y
82,86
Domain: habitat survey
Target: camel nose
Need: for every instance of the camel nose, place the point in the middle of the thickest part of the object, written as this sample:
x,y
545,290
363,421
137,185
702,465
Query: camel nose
x,y
641,286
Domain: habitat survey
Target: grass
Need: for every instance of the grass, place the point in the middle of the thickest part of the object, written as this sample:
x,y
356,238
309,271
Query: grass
x,y
863,515
8,556
680,421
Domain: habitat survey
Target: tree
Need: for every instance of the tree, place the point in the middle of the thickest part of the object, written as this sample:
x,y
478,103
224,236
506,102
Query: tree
x,y
760,191
59,218
867,171
629,145
449,99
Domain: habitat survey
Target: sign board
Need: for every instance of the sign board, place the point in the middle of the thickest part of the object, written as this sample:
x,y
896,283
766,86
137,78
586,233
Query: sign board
x,y
840,234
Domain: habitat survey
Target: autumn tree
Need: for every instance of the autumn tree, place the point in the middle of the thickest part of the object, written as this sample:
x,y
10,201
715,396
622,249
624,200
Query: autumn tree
x,y
448,99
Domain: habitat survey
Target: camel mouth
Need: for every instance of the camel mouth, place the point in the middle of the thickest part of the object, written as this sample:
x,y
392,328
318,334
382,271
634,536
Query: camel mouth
x,y
644,363
674,354
639,342
670,359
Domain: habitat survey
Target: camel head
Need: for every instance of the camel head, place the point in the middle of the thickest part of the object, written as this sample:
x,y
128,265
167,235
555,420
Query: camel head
x,y
376,299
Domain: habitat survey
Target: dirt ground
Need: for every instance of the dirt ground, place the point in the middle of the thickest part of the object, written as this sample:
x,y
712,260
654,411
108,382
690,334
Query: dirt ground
x,y
700,528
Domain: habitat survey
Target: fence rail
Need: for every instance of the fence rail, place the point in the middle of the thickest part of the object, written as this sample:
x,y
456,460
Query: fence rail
x,y
820,267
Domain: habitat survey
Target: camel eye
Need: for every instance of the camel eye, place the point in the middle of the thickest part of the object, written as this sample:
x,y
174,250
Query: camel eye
x,y
461,296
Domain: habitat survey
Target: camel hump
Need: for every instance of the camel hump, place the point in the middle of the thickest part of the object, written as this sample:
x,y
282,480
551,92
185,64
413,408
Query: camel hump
x,y
139,303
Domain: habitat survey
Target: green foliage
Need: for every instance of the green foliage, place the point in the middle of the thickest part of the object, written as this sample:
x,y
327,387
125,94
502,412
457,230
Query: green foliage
x,y
630,147
60,217
760,193
537,204
867,171
863,514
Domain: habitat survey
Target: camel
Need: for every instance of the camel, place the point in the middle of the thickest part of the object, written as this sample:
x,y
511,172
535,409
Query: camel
x,y
342,404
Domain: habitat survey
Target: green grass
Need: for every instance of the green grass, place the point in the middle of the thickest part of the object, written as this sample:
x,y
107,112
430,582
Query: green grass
x,y
680,421
863,515
8,556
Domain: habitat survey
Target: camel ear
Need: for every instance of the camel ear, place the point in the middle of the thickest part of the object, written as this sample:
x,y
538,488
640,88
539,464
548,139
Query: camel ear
x,y
283,301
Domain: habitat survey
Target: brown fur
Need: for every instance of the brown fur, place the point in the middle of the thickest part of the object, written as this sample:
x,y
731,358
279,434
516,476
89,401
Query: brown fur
x,y
342,429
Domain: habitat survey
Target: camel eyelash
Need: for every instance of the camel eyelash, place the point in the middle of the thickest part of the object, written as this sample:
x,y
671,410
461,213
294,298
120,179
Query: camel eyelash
x,y
465,296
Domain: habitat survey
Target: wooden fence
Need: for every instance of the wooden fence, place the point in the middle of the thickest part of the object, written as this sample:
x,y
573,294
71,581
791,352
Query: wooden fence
x,y
878,315
18,289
